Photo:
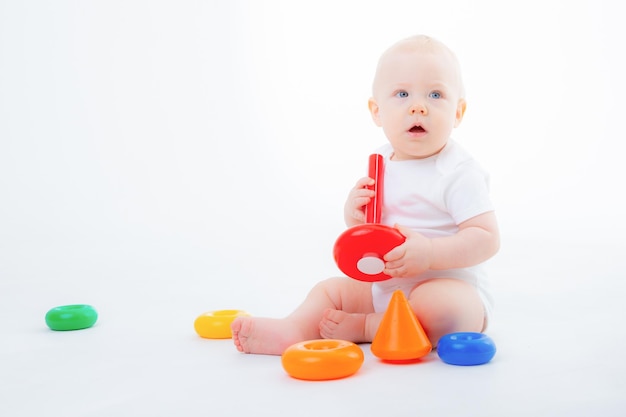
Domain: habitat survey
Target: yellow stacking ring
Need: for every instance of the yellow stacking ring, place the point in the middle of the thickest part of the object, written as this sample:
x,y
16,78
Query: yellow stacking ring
x,y
216,324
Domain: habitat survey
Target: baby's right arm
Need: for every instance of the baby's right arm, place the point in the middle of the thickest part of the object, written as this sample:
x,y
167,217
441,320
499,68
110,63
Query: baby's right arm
x,y
358,198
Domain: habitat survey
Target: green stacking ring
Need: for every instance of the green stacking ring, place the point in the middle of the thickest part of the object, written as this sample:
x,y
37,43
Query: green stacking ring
x,y
71,317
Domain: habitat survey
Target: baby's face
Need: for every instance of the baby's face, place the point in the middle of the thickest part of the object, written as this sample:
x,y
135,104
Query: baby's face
x,y
417,101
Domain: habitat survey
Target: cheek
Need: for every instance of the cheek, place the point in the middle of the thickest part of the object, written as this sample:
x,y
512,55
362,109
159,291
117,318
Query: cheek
x,y
383,119
445,115
391,115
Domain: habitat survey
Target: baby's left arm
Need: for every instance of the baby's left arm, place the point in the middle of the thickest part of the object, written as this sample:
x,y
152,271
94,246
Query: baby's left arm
x,y
477,240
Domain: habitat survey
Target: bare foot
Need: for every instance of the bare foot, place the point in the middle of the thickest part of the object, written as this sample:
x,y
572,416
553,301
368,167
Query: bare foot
x,y
337,324
264,335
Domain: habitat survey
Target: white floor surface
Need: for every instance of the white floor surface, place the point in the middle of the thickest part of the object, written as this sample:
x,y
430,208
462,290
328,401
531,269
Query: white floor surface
x,y
559,331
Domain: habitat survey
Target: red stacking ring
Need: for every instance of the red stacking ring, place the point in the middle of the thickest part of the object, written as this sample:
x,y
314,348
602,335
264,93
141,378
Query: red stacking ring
x,y
360,249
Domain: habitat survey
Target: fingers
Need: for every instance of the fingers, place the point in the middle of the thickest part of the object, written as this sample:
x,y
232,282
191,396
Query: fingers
x,y
358,215
395,262
397,269
364,182
396,272
412,257
360,194
359,200
359,197
395,254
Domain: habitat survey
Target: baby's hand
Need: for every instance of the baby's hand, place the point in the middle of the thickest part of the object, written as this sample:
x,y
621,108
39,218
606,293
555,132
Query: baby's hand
x,y
359,197
410,258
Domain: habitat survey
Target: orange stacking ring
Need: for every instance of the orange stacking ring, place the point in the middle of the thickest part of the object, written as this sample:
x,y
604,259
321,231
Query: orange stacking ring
x,y
216,324
322,359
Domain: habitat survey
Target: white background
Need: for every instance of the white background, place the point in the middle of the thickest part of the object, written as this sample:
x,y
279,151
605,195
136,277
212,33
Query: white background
x,y
163,158
234,129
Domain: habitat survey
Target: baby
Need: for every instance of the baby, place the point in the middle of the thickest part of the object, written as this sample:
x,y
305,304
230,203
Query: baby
x,y
435,194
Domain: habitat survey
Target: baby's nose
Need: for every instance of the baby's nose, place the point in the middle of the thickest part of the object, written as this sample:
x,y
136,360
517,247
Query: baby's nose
x,y
418,108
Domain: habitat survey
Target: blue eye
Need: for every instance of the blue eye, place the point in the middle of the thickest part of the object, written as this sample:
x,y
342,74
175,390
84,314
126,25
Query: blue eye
x,y
402,94
434,94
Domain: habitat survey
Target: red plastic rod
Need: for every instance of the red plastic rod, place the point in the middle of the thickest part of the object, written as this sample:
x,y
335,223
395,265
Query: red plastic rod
x,y
373,210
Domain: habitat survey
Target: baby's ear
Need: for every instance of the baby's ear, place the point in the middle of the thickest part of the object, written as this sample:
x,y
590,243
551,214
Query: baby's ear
x,y
373,106
460,111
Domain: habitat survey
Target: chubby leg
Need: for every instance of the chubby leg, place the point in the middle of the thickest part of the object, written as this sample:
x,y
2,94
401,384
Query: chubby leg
x,y
273,336
447,305
442,306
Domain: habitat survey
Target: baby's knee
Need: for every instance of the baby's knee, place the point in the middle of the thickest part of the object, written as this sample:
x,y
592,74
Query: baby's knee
x,y
449,305
345,294
330,284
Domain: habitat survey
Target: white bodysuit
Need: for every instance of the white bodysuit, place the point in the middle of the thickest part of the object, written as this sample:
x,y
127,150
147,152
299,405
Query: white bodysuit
x,y
433,196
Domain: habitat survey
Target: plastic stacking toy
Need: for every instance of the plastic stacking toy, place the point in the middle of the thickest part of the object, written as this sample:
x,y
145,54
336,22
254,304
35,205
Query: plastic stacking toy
x,y
400,336
216,324
322,359
360,249
466,348
71,317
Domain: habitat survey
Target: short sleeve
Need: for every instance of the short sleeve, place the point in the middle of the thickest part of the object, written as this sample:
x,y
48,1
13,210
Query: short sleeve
x,y
466,192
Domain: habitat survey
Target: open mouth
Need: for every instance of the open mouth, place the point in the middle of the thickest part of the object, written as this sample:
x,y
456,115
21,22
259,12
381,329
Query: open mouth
x,y
417,129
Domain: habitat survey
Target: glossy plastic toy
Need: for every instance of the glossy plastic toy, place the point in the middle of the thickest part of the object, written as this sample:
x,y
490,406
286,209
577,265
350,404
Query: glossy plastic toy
x,y
360,249
216,324
400,336
71,317
322,359
466,348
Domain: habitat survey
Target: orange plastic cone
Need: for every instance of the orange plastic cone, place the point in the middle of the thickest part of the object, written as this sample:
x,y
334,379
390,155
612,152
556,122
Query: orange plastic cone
x,y
400,336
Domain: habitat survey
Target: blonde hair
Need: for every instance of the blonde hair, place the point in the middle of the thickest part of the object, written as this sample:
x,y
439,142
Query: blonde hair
x,y
424,43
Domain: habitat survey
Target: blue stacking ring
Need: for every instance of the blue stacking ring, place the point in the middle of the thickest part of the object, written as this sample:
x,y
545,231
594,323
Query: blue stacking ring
x,y
466,348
